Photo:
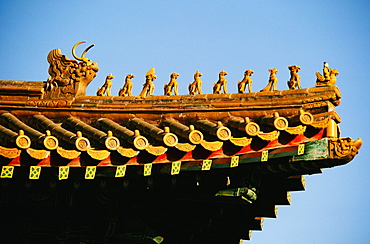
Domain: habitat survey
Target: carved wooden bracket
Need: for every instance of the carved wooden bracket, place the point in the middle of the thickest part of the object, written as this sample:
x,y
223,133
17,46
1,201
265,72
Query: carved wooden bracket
x,y
344,148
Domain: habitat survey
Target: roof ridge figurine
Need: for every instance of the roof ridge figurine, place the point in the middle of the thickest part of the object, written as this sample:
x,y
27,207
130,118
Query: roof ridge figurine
x,y
148,87
295,79
328,78
247,81
126,90
196,86
106,87
69,78
172,85
273,80
221,83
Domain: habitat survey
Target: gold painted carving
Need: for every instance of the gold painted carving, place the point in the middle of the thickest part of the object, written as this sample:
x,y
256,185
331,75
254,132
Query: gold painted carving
x,y
196,86
126,90
241,142
295,79
320,98
50,142
212,145
270,136
172,85
344,148
195,136
321,124
105,89
247,81
252,129
38,154
281,123
111,142
127,152
223,133
185,147
82,143
22,141
170,139
306,118
9,152
297,130
69,78
49,103
315,105
156,150
148,87
140,142
328,78
221,83
98,154
273,80
68,154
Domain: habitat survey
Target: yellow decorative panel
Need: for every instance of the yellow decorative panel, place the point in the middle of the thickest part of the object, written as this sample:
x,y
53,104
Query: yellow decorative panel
x,y
35,172
120,171
63,172
264,156
147,169
301,149
207,164
175,169
234,161
90,172
7,172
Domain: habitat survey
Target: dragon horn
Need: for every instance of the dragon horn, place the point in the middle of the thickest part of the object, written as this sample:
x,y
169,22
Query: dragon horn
x,y
74,50
87,49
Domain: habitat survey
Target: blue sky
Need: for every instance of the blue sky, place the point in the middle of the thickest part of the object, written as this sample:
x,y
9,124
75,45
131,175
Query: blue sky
x,y
210,36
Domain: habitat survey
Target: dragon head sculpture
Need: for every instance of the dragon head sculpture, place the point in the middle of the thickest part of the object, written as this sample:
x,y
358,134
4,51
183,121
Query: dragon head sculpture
x,y
69,78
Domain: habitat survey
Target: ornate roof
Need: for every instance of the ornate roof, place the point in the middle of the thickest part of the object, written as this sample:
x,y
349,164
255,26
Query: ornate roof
x,y
238,155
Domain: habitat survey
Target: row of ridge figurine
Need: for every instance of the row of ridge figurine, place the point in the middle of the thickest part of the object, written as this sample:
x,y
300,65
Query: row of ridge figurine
x,y
327,79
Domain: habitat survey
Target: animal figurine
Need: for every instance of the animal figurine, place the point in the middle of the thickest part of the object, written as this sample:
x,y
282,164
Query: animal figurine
x,y
328,78
273,80
69,78
148,87
196,86
221,83
247,80
295,79
106,87
326,72
126,90
172,85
